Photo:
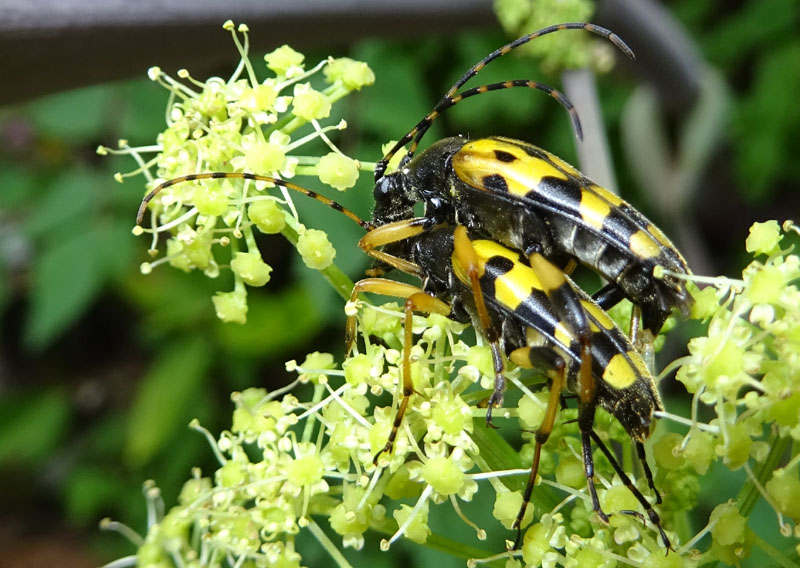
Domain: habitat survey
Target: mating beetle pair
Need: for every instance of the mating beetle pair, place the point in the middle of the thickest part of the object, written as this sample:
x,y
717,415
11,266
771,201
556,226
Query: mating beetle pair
x,y
546,212
502,220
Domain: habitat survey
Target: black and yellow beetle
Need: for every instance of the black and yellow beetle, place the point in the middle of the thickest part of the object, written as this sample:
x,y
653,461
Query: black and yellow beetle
x,y
518,310
532,201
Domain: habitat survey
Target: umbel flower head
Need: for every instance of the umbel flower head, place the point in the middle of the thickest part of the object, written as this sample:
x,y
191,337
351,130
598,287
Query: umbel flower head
x,y
289,465
244,124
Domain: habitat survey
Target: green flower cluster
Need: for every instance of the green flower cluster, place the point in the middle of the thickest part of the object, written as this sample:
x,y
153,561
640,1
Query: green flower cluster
x,y
556,52
286,463
243,124
747,371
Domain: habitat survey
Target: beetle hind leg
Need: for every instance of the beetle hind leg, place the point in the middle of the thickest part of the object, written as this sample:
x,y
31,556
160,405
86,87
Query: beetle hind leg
x,y
534,357
416,300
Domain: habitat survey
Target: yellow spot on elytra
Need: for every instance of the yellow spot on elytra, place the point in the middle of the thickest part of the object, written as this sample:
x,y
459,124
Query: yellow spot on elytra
x,y
619,373
563,335
597,314
594,209
643,245
508,293
638,362
606,195
521,357
487,249
513,287
564,166
476,160
659,236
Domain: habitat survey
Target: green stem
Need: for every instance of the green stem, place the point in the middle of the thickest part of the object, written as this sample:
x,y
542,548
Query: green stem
x,y
776,555
496,454
460,550
444,544
308,430
749,494
328,545
340,282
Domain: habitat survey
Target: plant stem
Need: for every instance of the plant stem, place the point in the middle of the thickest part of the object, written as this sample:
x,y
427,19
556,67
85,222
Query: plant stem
x,y
749,494
340,282
443,544
776,555
329,547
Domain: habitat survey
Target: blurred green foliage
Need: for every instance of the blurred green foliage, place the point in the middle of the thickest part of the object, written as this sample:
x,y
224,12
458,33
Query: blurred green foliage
x,y
102,368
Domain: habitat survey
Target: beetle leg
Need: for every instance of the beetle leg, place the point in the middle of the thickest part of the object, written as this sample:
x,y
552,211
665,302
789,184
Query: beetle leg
x,y
534,357
651,513
464,252
416,301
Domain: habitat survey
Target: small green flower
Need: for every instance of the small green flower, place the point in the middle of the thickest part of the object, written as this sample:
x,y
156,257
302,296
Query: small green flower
x,y
337,171
665,451
251,268
267,216
309,104
231,306
315,248
306,470
706,303
699,452
259,97
570,472
316,361
417,530
351,73
558,51
507,506
358,369
243,124
232,474
729,525
264,157
283,59
443,475
350,518
210,199
532,409
766,286
784,490
764,238
193,490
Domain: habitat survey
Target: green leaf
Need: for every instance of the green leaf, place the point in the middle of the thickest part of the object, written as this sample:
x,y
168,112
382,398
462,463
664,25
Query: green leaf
x,y
68,199
398,79
751,29
89,491
66,278
163,402
17,183
116,250
32,426
142,110
768,122
76,115
275,324
496,454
